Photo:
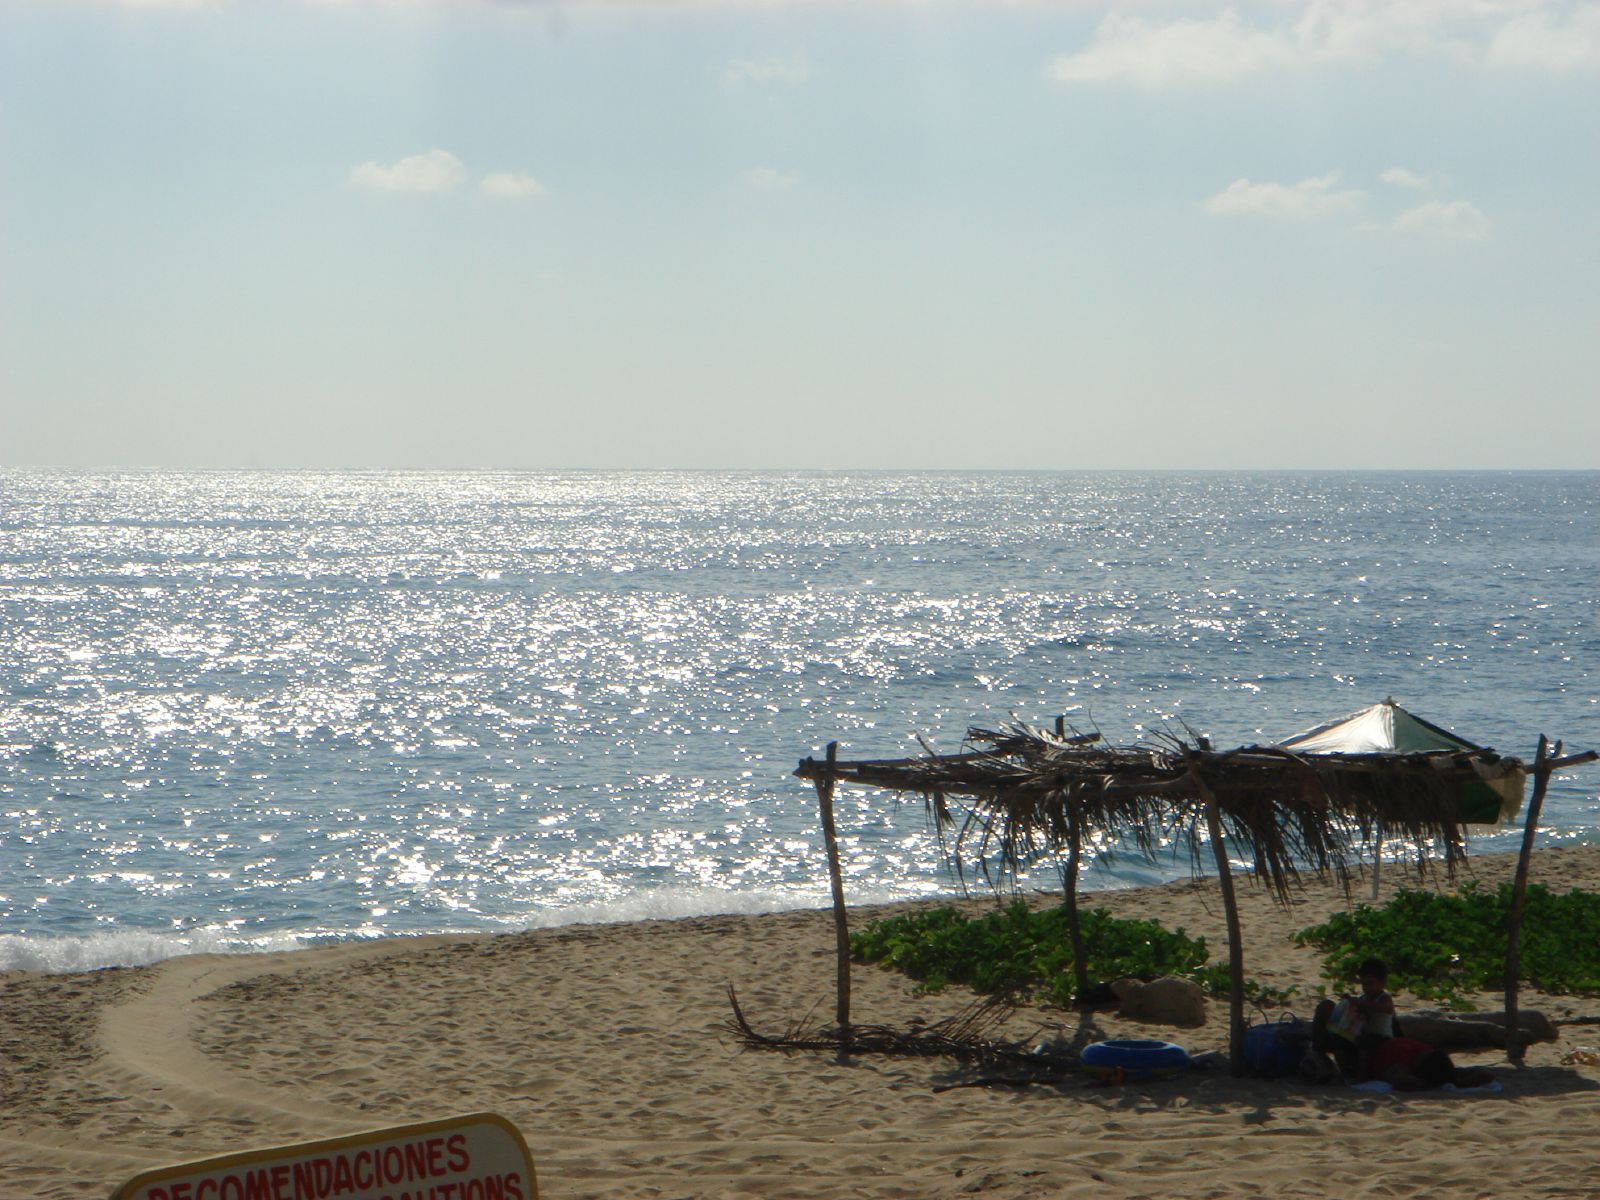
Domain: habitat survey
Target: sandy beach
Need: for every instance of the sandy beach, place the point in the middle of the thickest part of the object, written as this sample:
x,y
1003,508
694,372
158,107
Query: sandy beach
x,y
607,1046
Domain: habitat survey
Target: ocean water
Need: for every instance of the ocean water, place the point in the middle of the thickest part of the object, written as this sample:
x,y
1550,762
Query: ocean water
x,y
257,710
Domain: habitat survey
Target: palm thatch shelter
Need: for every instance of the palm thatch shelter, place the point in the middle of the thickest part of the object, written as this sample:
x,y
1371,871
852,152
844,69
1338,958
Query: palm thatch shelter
x,y
1015,794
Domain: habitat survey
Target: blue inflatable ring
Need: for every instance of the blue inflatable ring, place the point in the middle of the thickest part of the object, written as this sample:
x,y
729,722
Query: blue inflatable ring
x,y
1132,1059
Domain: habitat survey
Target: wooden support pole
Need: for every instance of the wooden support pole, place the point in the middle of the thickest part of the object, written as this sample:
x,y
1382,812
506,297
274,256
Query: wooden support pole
x,y
1542,761
1080,965
1230,908
841,922
1377,861
1572,760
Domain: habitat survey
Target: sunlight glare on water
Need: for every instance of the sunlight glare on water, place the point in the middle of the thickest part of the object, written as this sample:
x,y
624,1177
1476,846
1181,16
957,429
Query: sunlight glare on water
x,y
244,709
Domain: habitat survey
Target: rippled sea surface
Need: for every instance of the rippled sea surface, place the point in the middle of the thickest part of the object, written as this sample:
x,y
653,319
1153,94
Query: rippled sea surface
x,y
246,710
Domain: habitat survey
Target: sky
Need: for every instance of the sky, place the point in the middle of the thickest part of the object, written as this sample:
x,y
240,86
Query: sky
x,y
1073,235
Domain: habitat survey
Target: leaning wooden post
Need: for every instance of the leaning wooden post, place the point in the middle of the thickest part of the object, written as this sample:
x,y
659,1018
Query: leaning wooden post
x,y
1515,1049
1545,764
1230,907
841,923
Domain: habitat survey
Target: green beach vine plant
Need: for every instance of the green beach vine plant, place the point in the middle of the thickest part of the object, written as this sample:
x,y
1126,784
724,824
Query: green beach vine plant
x,y
1027,952
1439,947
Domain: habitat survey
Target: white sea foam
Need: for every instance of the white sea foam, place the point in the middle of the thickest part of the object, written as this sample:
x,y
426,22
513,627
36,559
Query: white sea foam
x,y
669,904
126,948
137,948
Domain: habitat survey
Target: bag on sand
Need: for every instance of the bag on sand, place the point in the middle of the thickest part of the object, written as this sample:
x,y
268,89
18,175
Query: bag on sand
x,y
1274,1048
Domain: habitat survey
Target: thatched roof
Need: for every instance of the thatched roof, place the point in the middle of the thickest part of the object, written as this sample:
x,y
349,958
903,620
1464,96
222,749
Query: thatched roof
x,y
1022,790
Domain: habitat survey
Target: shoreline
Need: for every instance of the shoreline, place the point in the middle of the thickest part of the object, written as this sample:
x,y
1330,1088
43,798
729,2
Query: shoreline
x,y
79,963
606,1045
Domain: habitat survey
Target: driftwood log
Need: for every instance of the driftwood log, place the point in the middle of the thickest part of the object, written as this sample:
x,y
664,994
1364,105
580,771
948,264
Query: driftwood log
x,y
1461,1031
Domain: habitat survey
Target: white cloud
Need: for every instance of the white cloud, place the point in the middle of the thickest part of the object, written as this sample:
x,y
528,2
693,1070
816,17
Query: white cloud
x,y
1303,201
1560,35
435,171
1455,219
510,185
1404,177
747,70
1129,49
1542,40
769,177
1364,32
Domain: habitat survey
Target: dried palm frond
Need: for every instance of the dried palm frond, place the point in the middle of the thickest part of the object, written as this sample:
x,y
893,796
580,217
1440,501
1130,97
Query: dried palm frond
x,y
968,1036
1014,794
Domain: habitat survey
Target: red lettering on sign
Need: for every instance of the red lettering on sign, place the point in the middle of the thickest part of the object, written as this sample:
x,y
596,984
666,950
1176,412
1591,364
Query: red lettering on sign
x,y
416,1161
361,1174
341,1176
424,1167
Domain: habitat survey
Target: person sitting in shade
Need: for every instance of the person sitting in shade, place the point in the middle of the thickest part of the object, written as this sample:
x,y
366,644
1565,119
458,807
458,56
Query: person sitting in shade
x,y
1364,1037
1375,1009
1354,1027
1412,1066
1375,1004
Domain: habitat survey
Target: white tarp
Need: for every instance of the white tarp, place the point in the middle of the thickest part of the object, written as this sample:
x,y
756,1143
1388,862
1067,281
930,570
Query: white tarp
x,y
1387,728
1382,729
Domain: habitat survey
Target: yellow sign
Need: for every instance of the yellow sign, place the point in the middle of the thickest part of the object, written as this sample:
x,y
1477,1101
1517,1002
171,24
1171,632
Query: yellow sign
x,y
476,1157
